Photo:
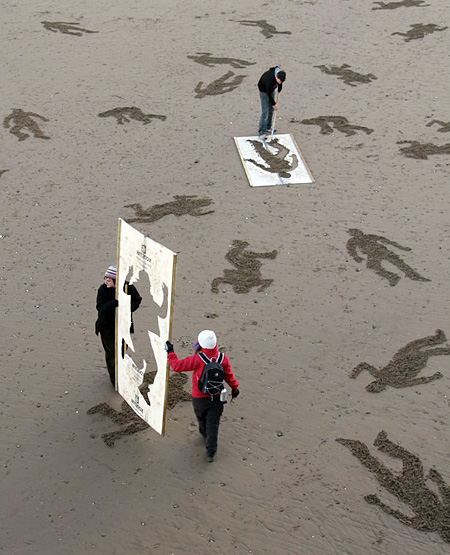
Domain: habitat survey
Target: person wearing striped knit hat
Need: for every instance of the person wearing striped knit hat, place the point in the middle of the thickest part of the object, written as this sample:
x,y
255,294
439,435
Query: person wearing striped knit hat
x,y
106,321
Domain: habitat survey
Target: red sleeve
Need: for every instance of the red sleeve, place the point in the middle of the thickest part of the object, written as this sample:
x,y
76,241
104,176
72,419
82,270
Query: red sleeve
x,y
229,376
185,364
194,364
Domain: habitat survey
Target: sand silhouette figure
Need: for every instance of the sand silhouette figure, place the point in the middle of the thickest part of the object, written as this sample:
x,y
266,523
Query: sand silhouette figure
x,y
432,512
129,421
219,86
445,125
402,4
65,28
419,31
182,205
421,151
208,60
267,29
406,364
276,162
339,123
127,113
347,75
24,120
248,269
371,246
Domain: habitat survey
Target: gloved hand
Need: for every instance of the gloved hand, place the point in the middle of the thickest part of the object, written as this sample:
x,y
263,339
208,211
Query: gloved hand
x,y
168,347
235,393
196,346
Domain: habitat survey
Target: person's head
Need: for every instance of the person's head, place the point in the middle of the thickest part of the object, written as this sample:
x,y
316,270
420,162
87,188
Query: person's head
x,y
110,276
281,77
207,339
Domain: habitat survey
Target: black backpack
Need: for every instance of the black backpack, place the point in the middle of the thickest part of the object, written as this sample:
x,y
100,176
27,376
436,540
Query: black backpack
x,y
211,380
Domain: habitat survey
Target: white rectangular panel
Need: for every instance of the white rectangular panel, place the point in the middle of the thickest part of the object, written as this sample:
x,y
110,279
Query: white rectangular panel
x,y
275,161
139,257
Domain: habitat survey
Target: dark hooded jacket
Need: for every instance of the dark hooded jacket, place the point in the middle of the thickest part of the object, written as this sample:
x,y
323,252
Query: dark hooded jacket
x,y
267,84
106,306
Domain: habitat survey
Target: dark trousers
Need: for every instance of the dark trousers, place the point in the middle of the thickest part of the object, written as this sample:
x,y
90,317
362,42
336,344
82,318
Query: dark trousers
x,y
108,336
208,412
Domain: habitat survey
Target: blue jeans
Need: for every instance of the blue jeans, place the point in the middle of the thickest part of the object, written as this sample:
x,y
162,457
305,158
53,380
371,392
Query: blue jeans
x,y
265,121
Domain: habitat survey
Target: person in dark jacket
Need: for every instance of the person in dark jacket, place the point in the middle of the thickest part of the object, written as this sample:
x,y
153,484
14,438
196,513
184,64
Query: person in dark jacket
x,y
207,408
270,80
106,321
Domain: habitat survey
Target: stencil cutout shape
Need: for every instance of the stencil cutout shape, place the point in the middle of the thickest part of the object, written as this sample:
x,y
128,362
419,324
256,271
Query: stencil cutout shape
x,y
277,161
137,254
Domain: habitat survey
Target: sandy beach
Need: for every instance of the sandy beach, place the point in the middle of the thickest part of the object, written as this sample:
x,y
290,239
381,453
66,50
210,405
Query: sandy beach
x,y
129,110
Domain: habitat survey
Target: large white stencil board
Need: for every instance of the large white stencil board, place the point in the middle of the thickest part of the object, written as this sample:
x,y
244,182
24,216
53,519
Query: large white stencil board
x,y
276,161
139,257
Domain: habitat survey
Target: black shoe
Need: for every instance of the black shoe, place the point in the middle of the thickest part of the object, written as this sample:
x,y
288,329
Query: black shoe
x,y
210,458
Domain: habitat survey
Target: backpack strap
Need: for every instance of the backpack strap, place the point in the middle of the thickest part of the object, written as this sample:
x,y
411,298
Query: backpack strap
x,y
206,359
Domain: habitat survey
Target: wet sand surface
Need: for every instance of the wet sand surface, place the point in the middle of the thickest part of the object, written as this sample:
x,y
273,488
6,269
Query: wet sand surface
x,y
129,110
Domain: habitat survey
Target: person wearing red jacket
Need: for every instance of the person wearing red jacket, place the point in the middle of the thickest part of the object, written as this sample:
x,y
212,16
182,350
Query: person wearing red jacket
x,y
207,408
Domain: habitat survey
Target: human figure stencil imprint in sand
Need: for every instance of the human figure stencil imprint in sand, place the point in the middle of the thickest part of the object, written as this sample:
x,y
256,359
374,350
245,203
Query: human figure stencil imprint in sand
x,y
444,125
406,364
127,113
419,31
402,4
347,75
182,205
208,60
267,29
219,86
24,120
248,269
275,162
371,245
73,29
128,420
339,123
421,151
431,511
